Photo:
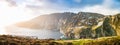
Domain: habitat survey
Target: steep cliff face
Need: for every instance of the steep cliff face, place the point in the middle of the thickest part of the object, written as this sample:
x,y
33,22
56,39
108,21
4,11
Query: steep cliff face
x,y
49,22
80,25
115,23
101,26
77,25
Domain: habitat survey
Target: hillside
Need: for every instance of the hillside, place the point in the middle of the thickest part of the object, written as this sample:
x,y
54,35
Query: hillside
x,y
53,21
20,40
48,21
76,25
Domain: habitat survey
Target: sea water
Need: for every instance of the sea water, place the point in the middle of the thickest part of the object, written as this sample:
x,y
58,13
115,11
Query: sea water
x,y
39,33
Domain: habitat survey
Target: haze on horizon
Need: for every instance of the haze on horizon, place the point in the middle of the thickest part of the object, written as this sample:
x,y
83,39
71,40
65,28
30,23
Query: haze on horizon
x,y
12,11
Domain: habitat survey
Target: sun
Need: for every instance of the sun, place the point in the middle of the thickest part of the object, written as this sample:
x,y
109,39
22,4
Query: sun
x,y
2,31
11,15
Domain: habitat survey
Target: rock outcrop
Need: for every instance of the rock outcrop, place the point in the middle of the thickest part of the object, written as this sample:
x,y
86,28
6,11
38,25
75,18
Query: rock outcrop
x,y
115,23
100,27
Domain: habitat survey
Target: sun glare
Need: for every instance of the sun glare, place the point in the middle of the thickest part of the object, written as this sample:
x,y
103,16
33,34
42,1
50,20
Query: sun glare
x,y
11,14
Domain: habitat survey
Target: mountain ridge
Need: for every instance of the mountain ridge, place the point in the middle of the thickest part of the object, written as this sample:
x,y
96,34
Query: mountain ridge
x,y
76,25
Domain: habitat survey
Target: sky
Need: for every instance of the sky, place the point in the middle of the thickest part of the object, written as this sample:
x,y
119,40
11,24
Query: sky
x,y
12,11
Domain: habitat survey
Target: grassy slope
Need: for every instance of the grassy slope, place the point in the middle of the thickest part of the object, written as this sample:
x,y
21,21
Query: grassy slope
x,y
16,40
114,40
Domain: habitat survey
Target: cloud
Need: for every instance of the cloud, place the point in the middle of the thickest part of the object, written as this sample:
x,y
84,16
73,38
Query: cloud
x,y
10,14
78,1
12,11
39,7
29,8
105,8
8,11
101,9
107,3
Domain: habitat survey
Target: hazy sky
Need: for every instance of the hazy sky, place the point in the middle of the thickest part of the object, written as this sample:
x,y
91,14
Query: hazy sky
x,y
12,11
39,7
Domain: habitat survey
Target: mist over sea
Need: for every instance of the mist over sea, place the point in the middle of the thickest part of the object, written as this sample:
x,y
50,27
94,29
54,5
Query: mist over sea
x,y
39,33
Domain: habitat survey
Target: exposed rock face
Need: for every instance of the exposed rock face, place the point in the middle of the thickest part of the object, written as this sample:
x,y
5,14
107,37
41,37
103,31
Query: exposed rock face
x,y
80,25
100,27
115,23
105,29
49,22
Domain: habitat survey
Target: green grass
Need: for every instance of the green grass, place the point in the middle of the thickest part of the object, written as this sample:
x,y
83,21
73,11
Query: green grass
x,y
114,40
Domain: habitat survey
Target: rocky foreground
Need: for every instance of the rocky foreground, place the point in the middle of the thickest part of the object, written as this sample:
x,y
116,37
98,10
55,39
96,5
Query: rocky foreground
x,y
18,40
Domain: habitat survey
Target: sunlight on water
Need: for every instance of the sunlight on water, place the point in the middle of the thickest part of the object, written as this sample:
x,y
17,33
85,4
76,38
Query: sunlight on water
x,y
41,34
